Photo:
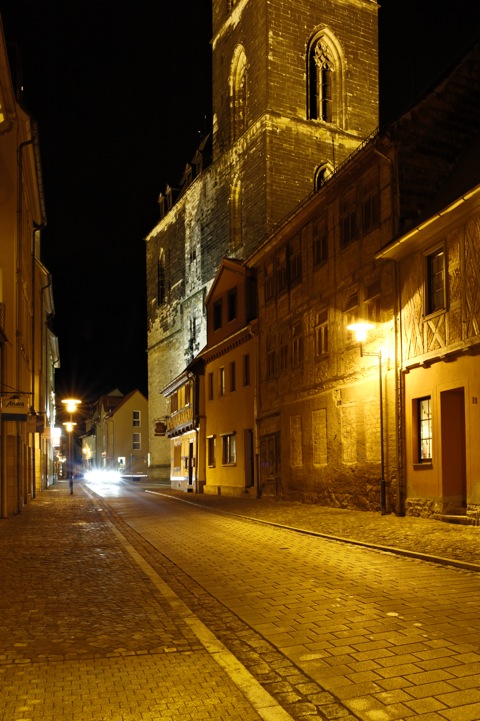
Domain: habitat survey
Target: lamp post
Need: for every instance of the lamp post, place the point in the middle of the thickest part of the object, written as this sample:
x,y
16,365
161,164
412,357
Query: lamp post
x,y
71,406
361,329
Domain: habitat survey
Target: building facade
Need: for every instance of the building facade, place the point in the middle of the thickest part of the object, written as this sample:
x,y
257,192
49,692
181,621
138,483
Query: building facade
x,y
230,375
28,348
345,422
438,343
295,92
116,435
185,428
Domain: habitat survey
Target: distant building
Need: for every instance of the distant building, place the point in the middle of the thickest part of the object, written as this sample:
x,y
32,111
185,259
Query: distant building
x,y
28,347
185,428
294,94
116,435
211,403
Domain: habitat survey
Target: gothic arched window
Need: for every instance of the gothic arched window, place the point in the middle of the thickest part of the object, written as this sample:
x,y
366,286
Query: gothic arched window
x,y
325,79
322,174
161,279
238,91
236,214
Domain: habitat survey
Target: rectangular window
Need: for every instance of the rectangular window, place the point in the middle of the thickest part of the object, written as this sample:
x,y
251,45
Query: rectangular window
x,y
435,282
232,304
297,344
348,217
246,370
211,451
229,449
137,442
174,402
320,241
210,386
295,260
137,419
188,390
217,314
284,343
350,316
269,282
424,429
372,302
221,381
321,333
370,202
281,271
271,357
233,374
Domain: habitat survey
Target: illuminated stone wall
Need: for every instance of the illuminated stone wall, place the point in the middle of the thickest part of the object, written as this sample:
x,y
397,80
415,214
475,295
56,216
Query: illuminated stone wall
x,y
266,146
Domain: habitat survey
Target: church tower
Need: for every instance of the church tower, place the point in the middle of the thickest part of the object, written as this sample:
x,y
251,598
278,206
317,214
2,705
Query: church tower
x,y
295,92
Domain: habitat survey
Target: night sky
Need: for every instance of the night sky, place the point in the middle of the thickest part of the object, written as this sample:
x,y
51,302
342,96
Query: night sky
x,y
121,94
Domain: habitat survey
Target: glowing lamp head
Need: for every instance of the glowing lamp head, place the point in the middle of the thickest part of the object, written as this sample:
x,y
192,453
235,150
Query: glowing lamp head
x,y
69,426
71,404
360,329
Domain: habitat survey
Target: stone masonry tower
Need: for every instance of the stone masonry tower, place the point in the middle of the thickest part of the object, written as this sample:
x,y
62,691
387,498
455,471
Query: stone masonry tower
x,y
295,92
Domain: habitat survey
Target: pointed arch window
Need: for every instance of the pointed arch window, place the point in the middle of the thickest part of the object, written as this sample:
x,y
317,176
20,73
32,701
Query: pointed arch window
x,y
325,79
239,93
161,279
236,214
322,174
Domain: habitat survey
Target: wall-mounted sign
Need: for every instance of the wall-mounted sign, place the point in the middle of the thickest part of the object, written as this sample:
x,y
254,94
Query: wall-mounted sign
x,y
14,407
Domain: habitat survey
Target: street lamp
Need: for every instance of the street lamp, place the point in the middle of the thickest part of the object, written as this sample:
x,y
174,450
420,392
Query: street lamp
x,y
71,406
360,329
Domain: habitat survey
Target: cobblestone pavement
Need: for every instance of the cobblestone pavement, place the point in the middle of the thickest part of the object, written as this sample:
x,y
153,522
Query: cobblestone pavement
x,y
89,628
419,537
88,634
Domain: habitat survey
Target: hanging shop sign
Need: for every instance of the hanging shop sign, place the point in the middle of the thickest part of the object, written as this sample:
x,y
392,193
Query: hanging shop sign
x,y
14,407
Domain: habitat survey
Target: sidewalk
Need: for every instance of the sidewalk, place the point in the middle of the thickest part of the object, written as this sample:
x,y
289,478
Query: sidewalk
x,y
419,537
88,632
